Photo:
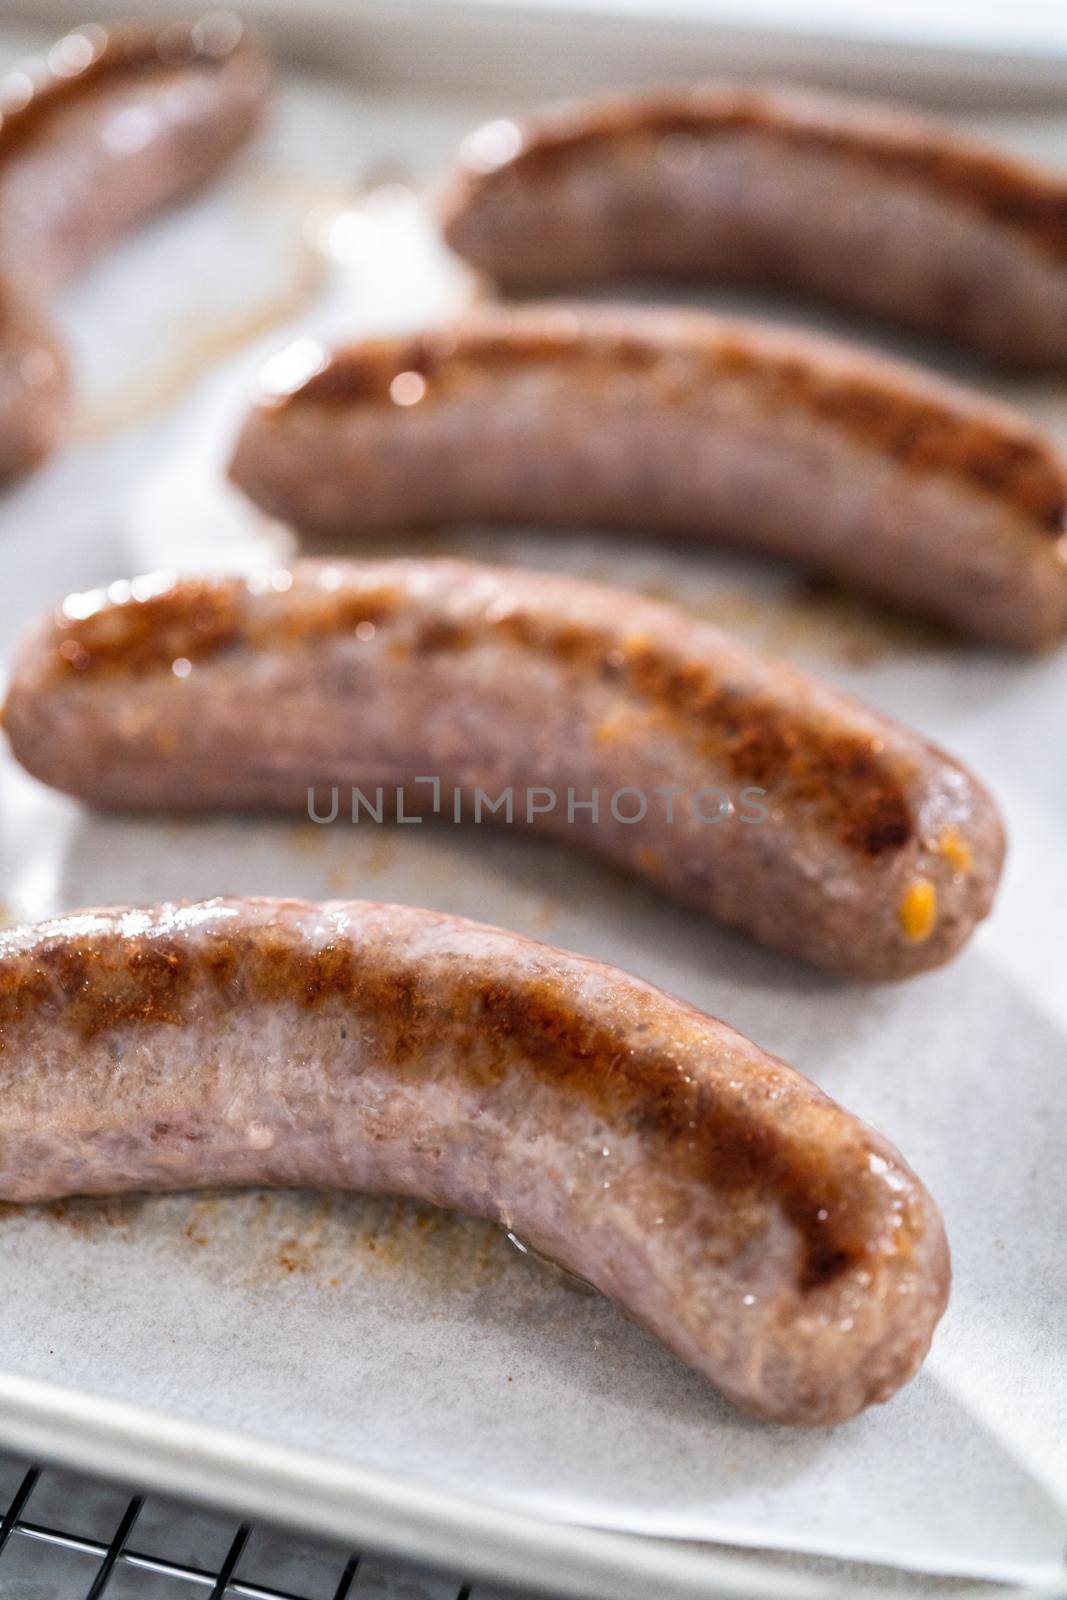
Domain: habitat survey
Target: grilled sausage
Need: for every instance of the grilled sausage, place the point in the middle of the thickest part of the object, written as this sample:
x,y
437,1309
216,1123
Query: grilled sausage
x,y
739,786
122,123
768,1237
868,206
862,468
34,384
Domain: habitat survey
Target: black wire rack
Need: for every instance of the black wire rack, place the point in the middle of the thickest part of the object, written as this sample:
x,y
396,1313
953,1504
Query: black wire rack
x,y
92,1540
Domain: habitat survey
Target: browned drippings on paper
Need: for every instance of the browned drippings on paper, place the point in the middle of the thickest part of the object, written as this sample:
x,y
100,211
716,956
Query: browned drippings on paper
x,y
204,347
325,1240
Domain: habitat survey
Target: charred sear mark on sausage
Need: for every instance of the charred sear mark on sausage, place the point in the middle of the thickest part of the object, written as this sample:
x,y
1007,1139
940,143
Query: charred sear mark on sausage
x,y
724,1141
199,618
840,776
484,1027
192,620
114,983
1008,191
94,58
916,429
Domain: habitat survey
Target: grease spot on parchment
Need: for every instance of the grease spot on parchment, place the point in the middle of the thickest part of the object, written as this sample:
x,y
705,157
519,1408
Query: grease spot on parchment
x,y
348,876
202,347
85,1215
327,1240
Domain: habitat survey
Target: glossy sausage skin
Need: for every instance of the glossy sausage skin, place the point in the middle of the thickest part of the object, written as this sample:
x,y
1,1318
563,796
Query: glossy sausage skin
x,y
868,206
868,470
771,801
34,383
122,123
772,1240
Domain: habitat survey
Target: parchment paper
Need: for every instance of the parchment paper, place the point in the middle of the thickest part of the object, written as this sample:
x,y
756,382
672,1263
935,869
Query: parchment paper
x,y
391,1334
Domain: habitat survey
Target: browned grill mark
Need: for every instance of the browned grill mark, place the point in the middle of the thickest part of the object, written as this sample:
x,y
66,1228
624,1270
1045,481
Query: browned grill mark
x,y
765,744
125,52
761,741
1010,192
726,1141
918,430
107,983
486,1028
198,618
841,776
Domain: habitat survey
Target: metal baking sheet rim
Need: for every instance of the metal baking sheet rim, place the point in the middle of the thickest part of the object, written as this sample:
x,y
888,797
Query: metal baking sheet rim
x,y
574,46
330,1498
373,1511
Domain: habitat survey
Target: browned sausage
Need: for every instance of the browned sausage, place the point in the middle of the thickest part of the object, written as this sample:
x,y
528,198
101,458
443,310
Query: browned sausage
x,y
34,383
866,469
865,205
736,784
121,123
768,1237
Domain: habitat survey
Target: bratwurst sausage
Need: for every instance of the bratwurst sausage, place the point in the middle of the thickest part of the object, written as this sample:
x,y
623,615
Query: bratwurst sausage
x,y
34,383
869,470
866,205
736,784
772,1240
121,123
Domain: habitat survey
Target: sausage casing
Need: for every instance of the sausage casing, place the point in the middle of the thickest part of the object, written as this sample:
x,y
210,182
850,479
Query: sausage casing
x,y
769,1238
789,444
867,206
733,782
120,124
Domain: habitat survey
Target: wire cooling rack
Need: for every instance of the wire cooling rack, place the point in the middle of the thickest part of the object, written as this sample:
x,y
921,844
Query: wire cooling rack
x,y
63,1537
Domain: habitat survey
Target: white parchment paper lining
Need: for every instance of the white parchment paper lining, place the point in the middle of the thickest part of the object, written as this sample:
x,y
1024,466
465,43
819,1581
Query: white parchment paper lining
x,y
388,1334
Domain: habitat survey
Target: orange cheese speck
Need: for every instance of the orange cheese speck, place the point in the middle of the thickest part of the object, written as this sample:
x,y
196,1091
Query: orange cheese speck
x,y
956,851
918,910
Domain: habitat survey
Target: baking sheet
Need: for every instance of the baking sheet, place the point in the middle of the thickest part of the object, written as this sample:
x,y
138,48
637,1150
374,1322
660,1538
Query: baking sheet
x,y
385,1333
